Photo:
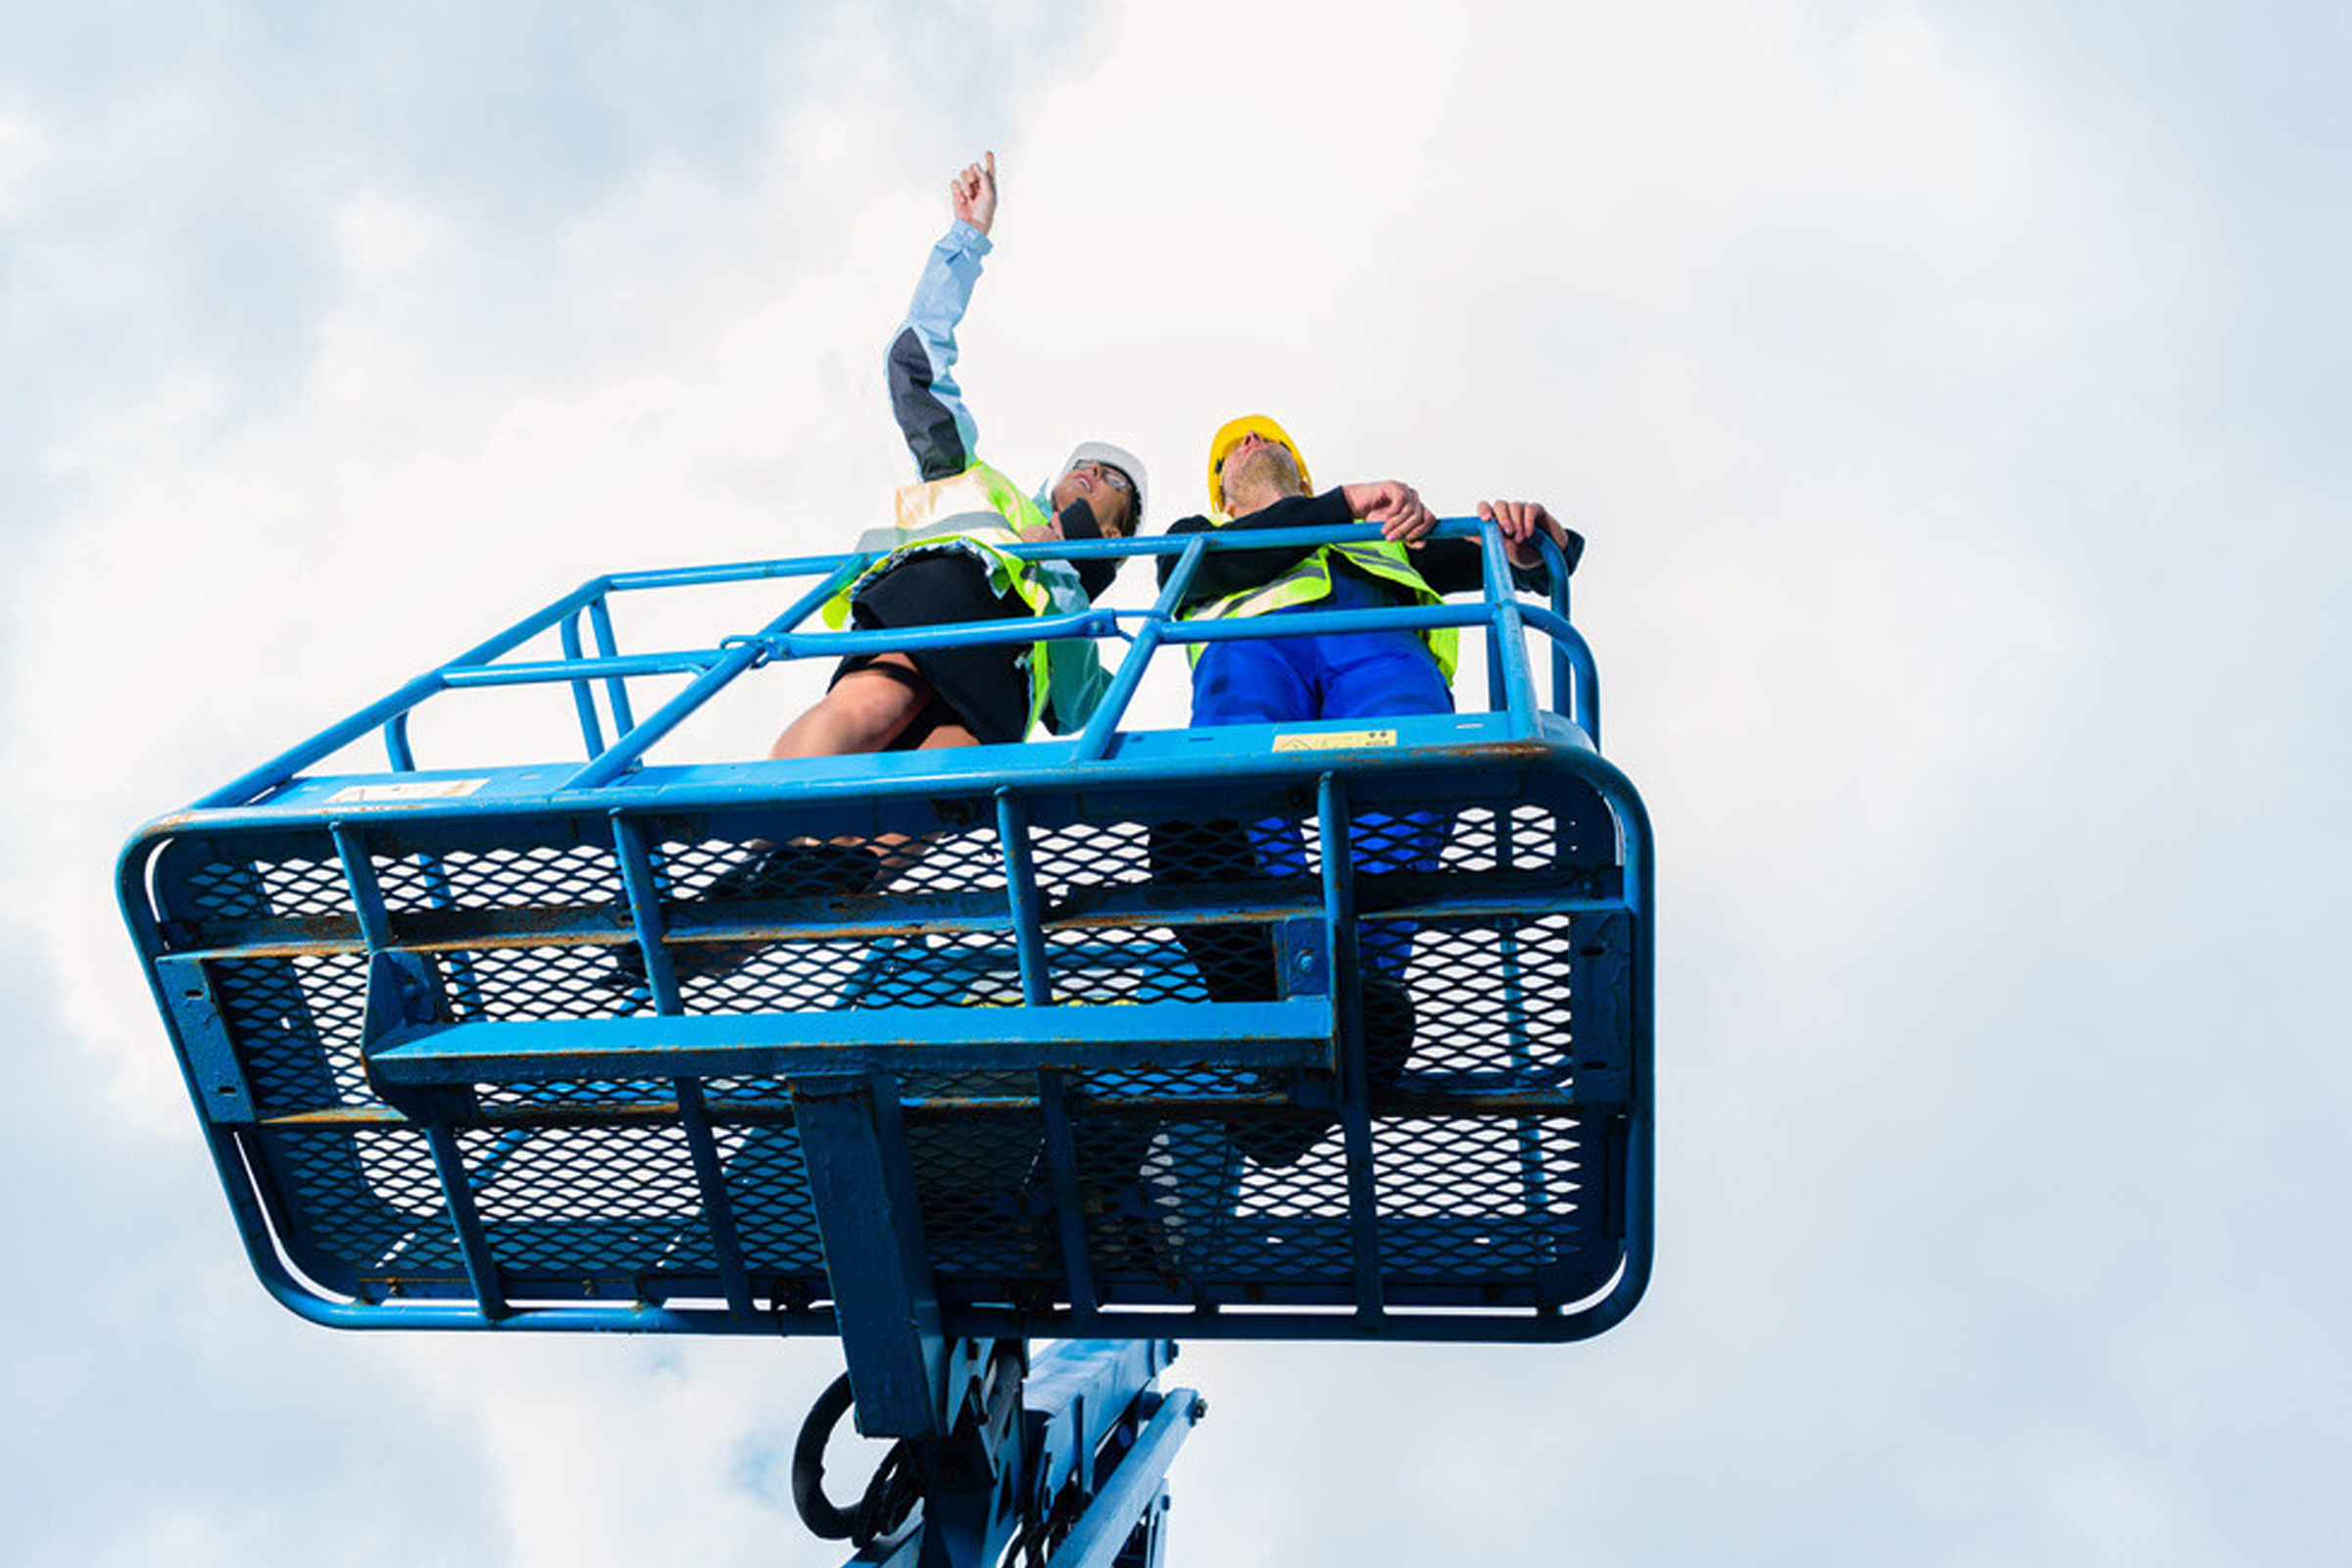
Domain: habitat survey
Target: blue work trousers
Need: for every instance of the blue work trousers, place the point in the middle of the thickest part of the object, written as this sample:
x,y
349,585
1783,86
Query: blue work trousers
x,y
1374,674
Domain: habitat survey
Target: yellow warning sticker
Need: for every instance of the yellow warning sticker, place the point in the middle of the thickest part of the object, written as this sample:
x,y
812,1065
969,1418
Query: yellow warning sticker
x,y
434,789
1334,740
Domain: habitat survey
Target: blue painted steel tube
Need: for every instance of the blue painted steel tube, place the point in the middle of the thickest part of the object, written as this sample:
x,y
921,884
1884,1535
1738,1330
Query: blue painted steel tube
x,y
1119,1504
360,880
577,672
474,1243
952,634
583,695
1555,563
693,1115
474,667
1506,638
1534,1185
1094,741
616,759
1035,767
1355,1091
1021,891
1315,622
642,888
1112,1037
1037,991
732,661
732,571
1571,652
616,691
278,769
718,1208
288,765
396,743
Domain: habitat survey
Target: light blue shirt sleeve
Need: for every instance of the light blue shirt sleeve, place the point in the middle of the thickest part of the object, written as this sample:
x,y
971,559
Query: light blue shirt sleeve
x,y
923,394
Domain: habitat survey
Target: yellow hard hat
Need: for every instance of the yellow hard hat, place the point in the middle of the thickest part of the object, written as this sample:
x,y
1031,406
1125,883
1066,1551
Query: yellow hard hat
x,y
1230,434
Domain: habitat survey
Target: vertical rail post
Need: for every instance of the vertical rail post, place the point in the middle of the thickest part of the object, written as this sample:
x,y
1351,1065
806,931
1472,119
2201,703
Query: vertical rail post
x,y
1506,635
641,885
617,689
1355,1093
1053,1087
1093,742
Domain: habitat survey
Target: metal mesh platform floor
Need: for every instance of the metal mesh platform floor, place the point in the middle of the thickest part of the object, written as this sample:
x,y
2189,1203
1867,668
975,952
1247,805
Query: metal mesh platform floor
x,y
1483,1191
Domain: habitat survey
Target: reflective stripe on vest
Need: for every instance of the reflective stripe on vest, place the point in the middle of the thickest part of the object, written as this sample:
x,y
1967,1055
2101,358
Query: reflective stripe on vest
x,y
938,505
1382,559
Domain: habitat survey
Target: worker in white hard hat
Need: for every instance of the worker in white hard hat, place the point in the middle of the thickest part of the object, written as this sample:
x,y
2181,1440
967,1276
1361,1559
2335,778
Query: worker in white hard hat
x,y
1257,481
945,560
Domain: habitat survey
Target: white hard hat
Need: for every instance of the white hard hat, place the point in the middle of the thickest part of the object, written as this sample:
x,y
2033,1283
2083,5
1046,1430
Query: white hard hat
x,y
1118,458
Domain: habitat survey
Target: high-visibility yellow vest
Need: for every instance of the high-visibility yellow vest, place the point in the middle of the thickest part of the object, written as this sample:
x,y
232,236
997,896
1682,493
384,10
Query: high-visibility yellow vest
x,y
1382,559
944,515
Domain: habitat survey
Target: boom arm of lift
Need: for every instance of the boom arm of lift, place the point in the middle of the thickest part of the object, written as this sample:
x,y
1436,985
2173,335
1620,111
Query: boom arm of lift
x,y
1063,1461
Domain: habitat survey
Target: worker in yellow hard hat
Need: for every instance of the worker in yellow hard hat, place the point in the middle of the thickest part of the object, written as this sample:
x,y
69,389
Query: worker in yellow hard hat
x,y
1257,481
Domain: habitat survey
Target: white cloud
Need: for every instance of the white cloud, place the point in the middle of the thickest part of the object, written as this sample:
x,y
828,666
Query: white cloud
x,y
23,154
1870,366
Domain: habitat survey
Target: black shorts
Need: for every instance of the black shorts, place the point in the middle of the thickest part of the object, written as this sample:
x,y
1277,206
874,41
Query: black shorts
x,y
983,689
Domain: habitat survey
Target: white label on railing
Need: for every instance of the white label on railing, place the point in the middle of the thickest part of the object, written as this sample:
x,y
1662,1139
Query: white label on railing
x,y
437,789
1334,740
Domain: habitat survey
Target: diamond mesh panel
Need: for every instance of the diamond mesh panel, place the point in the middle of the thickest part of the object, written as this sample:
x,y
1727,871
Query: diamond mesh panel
x,y
767,1181
1159,1196
289,888
1411,842
1520,839
968,969
1466,1199
525,877
1492,1002
799,976
1091,853
1190,1082
1129,965
521,982
591,1201
1290,1223
508,983
699,873
369,1201
972,1181
957,862
295,1024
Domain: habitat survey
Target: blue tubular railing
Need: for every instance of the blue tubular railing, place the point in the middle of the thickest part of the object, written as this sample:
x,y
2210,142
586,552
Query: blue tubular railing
x,y
585,665
1094,741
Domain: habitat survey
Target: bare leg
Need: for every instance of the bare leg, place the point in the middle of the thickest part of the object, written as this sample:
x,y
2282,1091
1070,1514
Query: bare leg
x,y
864,712
897,851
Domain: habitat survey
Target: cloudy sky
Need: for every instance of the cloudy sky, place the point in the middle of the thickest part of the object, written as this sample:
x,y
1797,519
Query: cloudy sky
x,y
1953,396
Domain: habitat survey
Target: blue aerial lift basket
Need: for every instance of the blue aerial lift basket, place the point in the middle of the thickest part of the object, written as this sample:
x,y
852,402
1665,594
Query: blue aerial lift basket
x,y
495,1047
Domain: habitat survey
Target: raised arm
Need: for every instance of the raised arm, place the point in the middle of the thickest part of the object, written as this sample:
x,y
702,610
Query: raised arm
x,y
923,394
